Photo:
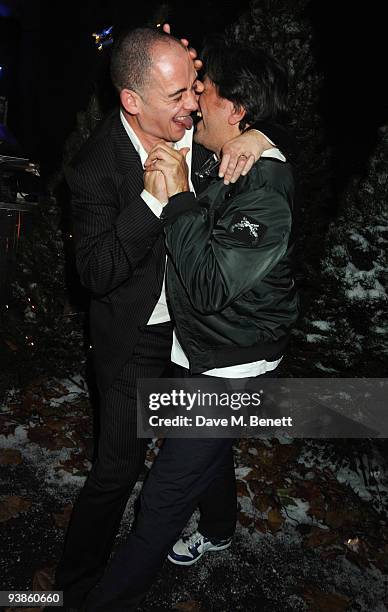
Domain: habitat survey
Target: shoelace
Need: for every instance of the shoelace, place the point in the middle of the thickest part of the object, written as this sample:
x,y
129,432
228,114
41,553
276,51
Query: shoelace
x,y
193,538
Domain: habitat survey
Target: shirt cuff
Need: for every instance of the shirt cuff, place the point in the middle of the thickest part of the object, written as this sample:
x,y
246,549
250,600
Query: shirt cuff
x,y
265,136
153,203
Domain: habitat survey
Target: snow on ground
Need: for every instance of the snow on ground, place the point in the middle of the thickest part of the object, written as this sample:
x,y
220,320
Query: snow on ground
x,y
276,568
323,325
313,456
47,462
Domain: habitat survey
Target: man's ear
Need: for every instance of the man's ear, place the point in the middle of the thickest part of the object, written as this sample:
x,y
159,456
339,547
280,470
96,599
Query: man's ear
x,y
236,114
130,101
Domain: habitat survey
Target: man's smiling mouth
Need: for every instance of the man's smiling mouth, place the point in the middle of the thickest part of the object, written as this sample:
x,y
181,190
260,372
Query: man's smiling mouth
x,y
184,120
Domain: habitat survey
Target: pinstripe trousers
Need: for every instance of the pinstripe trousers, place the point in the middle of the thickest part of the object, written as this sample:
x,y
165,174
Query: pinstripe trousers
x,y
120,458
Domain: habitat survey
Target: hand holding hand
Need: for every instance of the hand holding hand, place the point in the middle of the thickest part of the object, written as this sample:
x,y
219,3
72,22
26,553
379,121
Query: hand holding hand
x,y
172,164
155,184
240,153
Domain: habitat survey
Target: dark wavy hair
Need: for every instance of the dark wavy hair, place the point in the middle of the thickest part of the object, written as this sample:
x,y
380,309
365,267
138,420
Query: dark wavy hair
x,y
249,77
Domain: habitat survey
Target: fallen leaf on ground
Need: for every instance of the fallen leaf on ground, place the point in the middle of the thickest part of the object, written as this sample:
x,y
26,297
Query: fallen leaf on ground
x,y
275,519
242,489
338,518
316,510
11,506
264,457
10,456
59,390
189,606
77,463
310,492
44,437
325,602
244,519
6,427
11,345
287,501
55,424
358,559
261,526
61,519
262,502
284,453
29,403
331,553
44,579
381,561
256,486
318,537
254,474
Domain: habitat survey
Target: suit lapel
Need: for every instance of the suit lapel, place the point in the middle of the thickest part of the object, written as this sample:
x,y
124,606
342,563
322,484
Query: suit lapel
x,y
131,184
128,163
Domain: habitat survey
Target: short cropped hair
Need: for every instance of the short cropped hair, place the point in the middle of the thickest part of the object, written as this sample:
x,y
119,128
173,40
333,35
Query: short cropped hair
x,y
250,78
131,58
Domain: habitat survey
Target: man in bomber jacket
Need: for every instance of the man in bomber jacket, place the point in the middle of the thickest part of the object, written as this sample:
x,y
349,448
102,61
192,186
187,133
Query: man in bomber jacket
x,y
232,296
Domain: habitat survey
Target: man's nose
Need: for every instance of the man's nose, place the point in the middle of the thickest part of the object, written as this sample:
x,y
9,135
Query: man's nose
x,y
191,100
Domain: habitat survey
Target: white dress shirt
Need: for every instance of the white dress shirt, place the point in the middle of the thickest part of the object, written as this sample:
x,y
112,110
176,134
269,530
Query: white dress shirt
x,y
160,313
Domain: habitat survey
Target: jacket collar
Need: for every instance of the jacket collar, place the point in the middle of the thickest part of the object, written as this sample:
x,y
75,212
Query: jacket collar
x,y
127,157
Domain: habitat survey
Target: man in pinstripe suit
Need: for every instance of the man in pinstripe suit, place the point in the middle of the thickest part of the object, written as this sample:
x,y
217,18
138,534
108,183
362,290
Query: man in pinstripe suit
x,y
121,260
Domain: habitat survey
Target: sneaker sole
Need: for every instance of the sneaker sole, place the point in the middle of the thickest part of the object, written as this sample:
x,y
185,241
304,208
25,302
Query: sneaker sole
x,y
199,556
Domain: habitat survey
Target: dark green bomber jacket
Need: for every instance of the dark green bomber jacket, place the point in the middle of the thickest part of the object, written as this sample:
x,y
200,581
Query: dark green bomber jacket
x,y
229,276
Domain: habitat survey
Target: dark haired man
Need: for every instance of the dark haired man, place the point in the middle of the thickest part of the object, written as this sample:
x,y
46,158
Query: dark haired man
x,y
233,299
121,259
237,325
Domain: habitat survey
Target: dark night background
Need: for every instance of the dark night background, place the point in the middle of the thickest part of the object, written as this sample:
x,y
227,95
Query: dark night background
x,y
50,65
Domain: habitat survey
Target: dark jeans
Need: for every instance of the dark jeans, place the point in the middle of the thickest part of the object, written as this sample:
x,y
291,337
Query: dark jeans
x,y
99,508
218,502
181,474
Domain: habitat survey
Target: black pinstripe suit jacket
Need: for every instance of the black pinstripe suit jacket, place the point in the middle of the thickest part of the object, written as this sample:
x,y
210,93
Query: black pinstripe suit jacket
x,y
119,242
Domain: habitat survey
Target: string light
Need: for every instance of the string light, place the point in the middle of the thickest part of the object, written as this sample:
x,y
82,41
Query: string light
x,y
104,38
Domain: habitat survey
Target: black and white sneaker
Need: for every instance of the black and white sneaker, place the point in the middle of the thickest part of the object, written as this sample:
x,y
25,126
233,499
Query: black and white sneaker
x,y
189,550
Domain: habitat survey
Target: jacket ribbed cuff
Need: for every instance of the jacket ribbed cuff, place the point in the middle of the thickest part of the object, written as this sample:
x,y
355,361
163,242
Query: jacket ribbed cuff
x,y
177,206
